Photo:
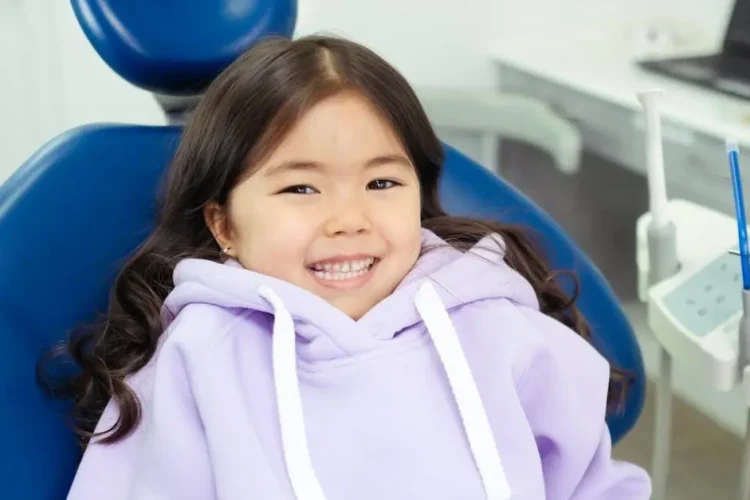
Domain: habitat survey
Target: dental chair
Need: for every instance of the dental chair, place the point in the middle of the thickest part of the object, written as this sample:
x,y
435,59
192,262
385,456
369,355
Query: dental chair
x,y
84,201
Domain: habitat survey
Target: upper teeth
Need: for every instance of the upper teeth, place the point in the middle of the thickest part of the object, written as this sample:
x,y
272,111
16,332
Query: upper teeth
x,y
345,267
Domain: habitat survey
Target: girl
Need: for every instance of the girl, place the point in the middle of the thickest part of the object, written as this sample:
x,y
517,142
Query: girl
x,y
306,322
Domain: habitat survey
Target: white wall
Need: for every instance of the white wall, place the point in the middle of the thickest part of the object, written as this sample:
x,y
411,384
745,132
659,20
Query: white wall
x,y
567,20
432,42
27,111
437,43
57,81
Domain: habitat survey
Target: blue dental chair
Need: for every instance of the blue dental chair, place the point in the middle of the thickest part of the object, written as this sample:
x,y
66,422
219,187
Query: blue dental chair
x,y
83,202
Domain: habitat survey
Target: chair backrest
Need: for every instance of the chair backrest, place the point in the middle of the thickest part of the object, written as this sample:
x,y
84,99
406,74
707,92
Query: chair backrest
x,y
67,219
80,205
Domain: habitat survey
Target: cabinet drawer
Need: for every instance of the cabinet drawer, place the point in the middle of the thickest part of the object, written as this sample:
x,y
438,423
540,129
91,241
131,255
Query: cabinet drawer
x,y
695,163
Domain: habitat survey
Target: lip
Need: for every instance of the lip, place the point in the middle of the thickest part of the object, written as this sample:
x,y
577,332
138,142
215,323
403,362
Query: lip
x,y
345,284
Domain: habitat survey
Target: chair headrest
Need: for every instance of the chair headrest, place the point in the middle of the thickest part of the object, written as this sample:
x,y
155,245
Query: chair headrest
x,y
178,47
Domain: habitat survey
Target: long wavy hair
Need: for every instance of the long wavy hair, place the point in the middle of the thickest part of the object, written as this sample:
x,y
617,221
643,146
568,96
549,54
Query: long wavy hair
x,y
244,114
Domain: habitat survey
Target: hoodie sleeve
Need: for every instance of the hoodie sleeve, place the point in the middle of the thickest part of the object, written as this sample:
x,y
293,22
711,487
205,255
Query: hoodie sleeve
x,y
563,391
174,460
166,456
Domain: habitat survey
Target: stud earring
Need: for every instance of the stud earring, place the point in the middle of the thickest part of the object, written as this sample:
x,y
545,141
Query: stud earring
x,y
226,250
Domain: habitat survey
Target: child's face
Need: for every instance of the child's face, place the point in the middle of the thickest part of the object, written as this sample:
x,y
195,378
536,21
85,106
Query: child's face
x,y
335,209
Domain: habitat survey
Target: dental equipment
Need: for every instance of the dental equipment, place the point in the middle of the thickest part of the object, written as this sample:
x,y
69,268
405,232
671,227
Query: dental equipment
x,y
696,290
663,263
743,339
733,152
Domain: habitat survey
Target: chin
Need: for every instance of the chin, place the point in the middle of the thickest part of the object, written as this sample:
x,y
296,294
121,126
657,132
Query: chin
x,y
351,306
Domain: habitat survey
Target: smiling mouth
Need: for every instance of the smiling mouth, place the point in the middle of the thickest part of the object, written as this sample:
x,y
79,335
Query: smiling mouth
x,y
347,270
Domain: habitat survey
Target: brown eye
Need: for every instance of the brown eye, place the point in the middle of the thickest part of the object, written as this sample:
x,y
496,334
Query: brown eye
x,y
301,189
380,184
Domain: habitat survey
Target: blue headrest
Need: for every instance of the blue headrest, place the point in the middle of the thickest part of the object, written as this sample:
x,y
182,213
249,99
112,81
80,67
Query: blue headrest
x,y
179,47
74,211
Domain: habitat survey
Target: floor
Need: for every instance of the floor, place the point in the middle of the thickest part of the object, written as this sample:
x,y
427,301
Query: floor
x,y
705,458
599,207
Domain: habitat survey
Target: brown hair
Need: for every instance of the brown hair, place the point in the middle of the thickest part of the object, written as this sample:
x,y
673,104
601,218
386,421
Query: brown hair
x,y
244,114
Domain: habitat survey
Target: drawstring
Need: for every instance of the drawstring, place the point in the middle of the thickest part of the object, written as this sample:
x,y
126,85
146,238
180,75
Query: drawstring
x,y
291,418
476,424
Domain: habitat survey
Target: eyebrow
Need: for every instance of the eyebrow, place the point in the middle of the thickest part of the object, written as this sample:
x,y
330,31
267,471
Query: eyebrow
x,y
298,165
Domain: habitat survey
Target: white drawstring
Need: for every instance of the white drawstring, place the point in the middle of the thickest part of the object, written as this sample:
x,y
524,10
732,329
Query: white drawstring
x,y
291,418
473,415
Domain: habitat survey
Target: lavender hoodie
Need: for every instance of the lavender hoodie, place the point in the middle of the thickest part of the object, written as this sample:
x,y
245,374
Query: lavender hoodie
x,y
455,387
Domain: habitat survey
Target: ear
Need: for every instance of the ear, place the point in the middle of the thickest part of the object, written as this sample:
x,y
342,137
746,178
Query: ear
x,y
217,220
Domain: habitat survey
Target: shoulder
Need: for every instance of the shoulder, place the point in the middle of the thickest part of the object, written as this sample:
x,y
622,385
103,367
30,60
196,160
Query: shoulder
x,y
528,340
195,333
199,329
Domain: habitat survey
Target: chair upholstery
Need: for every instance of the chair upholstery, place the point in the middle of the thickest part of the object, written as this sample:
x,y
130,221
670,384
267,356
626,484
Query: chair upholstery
x,y
178,47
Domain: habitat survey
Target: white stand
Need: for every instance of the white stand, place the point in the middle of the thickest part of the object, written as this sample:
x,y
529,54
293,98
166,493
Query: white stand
x,y
663,263
689,313
703,235
662,437
745,470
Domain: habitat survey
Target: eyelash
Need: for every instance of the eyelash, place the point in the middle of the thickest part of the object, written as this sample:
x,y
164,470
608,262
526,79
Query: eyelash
x,y
389,181
296,189
301,188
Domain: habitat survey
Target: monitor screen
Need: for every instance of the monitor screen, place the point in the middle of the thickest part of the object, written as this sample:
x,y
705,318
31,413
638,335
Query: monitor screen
x,y
738,32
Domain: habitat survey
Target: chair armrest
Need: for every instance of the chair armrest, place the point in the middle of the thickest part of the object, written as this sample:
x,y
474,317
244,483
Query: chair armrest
x,y
505,116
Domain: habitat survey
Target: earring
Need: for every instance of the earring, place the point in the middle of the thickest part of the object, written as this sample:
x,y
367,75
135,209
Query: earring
x,y
226,250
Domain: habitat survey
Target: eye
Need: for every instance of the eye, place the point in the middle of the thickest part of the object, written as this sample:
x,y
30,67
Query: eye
x,y
300,189
381,184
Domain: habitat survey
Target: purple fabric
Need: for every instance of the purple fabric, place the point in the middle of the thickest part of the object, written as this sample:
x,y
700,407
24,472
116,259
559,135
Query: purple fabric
x,y
380,417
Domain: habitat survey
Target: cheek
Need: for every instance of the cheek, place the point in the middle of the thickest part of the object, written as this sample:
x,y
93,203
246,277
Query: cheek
x,y
275,242
400,223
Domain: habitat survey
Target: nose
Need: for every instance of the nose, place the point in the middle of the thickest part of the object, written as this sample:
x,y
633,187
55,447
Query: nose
x,y
348,218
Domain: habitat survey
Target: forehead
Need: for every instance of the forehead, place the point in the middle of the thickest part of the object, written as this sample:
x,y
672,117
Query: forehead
x,y
342,129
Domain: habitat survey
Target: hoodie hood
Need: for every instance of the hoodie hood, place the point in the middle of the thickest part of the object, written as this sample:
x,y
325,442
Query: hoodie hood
x,y
443,279
325,332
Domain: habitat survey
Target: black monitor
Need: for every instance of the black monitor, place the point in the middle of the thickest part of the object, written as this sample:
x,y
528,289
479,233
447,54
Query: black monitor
x,y
727,72
737,38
